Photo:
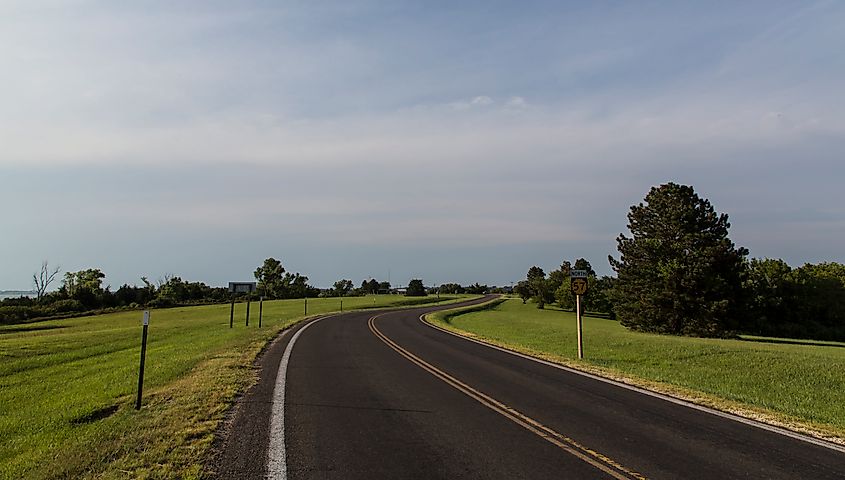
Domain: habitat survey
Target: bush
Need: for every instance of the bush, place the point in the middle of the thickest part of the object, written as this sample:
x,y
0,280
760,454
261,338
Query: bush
x,y
63,306
161,302
10,314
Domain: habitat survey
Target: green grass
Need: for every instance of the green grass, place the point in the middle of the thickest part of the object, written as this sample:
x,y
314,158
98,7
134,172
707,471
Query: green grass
x,y
796,384
67,387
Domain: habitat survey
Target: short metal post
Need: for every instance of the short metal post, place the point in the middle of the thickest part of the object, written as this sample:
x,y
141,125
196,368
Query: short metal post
x,y
143,358
247,311
341,304
232,314
260,310
306,305
578,316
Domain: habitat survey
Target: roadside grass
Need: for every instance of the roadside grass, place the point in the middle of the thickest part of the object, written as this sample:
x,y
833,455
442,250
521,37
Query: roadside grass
x,y
67,387
796,384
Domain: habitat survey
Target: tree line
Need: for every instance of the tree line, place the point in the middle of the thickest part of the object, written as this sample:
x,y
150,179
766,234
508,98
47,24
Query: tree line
x,y
83,291
473,289
679,273
275,282
554,288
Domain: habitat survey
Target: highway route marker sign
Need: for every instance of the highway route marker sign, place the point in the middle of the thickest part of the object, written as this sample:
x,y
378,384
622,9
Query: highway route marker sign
x,y
578,285
577,274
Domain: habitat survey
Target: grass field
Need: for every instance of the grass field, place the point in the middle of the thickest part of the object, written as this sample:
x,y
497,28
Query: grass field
x,y
789,382
67,387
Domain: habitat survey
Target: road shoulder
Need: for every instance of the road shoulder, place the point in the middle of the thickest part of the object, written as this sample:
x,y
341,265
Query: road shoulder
x,y
692,399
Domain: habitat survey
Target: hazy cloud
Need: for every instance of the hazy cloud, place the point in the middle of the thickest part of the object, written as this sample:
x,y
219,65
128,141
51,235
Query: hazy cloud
x,y
524,130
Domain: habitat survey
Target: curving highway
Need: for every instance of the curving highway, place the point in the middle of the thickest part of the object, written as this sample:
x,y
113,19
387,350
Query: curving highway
x,y
383,395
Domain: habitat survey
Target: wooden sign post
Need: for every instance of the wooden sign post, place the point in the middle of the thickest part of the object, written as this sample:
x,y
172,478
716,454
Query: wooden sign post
x,y
232,314
260,310
247,311
579,286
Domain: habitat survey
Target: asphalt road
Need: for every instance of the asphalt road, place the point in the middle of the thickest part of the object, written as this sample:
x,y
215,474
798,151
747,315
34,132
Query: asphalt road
x,y
390,397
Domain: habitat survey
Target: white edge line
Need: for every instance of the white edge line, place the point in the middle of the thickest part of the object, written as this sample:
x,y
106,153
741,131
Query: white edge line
x,y
754,423
276,460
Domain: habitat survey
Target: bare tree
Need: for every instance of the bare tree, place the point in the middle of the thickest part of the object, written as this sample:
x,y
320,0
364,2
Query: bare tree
x,y
162,280
44,278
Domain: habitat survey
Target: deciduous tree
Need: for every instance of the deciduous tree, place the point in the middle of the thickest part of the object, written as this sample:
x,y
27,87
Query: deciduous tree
x,y
84,286
523,290
342,287
451,288
416,288
270,277
541,289
370,286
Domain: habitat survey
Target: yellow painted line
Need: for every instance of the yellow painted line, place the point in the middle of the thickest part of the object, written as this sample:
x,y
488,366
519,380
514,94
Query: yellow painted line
x,y
596,459
651,393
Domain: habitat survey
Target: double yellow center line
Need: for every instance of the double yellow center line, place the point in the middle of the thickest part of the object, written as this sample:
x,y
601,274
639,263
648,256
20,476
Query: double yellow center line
x,y
596,459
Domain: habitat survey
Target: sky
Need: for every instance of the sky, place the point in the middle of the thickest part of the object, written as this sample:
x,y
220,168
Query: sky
x,y
448,141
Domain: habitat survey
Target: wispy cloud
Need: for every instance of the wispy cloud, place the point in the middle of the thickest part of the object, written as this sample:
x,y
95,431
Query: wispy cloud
x,y
515,127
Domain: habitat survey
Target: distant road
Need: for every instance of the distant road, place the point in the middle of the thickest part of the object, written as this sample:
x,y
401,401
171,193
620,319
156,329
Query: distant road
x,y
371,396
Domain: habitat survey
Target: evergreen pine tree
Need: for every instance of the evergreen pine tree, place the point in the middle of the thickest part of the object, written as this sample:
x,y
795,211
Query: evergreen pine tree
x,y
678,273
